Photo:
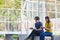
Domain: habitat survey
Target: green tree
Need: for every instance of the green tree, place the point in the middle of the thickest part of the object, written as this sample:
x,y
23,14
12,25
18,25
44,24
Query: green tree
x,y
1,3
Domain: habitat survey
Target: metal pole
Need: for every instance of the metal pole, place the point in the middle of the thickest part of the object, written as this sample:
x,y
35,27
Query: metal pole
x,y
55,14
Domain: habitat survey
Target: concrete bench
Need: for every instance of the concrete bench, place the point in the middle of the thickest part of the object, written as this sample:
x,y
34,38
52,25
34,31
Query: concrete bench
x,y
22,37
46,38
37,38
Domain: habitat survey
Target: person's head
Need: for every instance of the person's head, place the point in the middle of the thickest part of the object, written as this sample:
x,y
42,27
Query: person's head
x,y
36,19
47,19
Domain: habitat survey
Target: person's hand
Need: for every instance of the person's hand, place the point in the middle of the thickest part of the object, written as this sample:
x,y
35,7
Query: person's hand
x,y
31,28
43,27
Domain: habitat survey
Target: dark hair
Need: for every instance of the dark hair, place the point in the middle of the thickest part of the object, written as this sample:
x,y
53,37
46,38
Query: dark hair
x,y
47,18
36,18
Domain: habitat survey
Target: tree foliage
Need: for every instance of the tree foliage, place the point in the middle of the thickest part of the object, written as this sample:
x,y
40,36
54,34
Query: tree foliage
x,y
1,3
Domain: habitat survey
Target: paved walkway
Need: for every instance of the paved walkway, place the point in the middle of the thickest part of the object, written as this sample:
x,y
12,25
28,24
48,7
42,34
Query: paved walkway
x,y
1,39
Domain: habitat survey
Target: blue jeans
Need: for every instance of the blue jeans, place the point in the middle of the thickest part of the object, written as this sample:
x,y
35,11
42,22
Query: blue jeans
x,y
42,36
48,34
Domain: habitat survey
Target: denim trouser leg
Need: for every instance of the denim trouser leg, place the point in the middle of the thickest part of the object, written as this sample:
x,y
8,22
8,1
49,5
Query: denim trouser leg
x,y
42,36
33,33
36,33
32,37
49,34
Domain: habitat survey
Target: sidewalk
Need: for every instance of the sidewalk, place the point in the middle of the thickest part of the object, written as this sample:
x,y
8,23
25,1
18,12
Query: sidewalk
x,y
1,39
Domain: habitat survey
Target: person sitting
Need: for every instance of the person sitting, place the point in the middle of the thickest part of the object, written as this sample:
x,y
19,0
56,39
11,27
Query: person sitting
x,y
38,31
48,27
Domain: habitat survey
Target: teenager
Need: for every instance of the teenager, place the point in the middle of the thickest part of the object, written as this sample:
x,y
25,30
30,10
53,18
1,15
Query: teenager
x,y
38,31
48,27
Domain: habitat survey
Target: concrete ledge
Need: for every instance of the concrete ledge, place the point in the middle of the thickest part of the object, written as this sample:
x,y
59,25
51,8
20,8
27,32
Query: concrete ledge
x,y
22,37
56,37
37,38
